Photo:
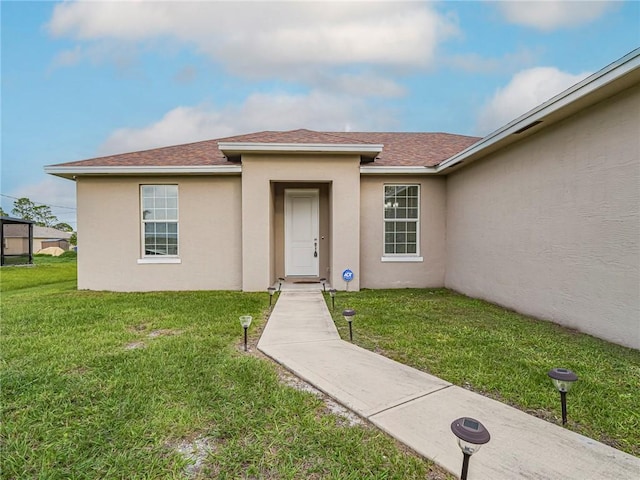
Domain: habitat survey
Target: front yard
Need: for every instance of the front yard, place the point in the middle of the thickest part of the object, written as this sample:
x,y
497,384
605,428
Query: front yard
x,y
156,385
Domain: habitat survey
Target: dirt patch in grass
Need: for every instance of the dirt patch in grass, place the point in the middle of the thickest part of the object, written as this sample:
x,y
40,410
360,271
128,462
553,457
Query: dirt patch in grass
x,y
134,345
154,334
79,370
139,328
164,333
195,452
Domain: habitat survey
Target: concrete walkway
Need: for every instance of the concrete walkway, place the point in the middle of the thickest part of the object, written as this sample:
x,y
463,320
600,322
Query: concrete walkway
x,y
417,408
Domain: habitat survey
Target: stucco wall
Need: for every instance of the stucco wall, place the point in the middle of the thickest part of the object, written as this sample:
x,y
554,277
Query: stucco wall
x,y
551,226
209,235
259,175
427,273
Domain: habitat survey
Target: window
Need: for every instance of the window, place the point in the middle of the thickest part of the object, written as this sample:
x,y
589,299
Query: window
x,y
401,220
159,220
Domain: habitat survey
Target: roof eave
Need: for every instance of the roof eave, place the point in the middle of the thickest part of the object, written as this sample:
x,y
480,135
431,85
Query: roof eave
x,y
333,148
71,172
398,170
15,220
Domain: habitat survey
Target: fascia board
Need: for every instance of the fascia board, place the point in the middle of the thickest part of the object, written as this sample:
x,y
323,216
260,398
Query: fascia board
x,y
71,171
581,89
366,170
251,147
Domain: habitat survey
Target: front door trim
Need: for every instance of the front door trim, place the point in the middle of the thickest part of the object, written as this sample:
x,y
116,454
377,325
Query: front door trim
x,y
301,232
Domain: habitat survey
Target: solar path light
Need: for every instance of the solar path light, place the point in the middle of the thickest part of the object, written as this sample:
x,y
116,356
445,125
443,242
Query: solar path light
x,y
348,316
563,380
471,436
245,321
332,292
280,282
271,291
324,284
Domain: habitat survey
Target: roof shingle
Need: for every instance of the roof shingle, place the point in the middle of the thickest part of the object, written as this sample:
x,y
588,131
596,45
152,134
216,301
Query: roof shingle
x,y
400,148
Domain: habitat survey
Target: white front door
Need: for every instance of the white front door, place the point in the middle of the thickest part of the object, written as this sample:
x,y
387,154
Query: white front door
x,y
301,247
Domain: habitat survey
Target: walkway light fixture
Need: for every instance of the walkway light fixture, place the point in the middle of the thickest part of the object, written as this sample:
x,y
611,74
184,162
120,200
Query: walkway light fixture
x,y
272,291
324,284
280,282
245,321
563,379
471,436
332,292
348,316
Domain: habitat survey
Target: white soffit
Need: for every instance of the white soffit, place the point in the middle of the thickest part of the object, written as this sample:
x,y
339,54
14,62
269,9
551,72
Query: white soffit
x,y
402,170
253,147
71,171
537,116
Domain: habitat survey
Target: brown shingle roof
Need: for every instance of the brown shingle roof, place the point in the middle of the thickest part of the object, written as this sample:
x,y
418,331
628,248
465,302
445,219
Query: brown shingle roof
x,y
400,148
190,154
414,148
298,136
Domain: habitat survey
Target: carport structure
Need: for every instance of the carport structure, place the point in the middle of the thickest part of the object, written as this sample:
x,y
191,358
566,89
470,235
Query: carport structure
x,y
17,241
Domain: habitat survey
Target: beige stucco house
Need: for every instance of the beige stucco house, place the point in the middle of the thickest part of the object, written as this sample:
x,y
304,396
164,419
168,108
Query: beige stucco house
x,y
542,215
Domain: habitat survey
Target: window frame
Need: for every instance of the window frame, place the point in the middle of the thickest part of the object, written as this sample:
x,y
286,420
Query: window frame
x,y
401,257
158,258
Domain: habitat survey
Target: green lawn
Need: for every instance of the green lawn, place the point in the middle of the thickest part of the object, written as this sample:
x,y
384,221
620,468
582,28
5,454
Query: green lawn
x,y
156,385
503,355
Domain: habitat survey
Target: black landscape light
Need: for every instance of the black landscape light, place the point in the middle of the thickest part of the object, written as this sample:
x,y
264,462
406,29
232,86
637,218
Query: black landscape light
x,y
563,379
348,316
245,321
272,291
471,436
280,282
324,284
332,292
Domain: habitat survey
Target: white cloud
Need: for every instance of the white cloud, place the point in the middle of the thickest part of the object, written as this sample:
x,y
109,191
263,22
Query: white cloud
x,y
365,85
526,90
317,111
120,55
67,58
553,14
267,39
186,75
476,63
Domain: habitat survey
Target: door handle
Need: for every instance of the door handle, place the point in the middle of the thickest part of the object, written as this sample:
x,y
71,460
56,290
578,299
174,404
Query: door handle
x,y
315,248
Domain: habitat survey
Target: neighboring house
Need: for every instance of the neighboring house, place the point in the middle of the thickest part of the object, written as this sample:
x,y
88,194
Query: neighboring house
x,y
541,216
44,237
16,238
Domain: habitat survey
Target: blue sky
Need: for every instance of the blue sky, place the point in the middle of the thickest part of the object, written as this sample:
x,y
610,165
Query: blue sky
x,y
84,79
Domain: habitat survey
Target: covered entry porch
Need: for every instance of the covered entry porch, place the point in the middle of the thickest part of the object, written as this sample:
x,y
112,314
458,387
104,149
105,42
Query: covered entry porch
x,y
300,219
302,231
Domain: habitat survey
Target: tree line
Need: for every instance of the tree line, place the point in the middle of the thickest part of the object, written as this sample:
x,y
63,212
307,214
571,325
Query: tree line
x,y
40,214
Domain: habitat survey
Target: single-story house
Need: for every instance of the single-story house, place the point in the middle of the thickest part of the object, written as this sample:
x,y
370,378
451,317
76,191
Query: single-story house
x,y
16,238
541,216
44,237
